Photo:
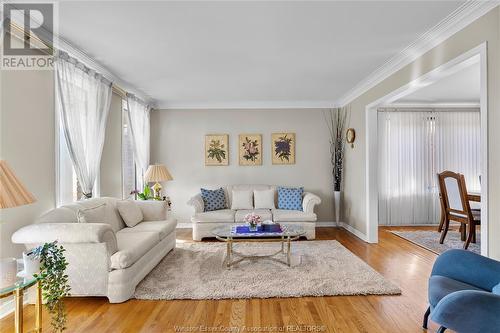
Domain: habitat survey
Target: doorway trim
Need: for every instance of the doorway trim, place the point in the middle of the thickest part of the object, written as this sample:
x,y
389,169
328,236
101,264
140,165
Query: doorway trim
x,y
477,54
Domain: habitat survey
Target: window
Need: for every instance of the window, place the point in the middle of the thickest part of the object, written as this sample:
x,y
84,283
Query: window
x,y
129,183
413,147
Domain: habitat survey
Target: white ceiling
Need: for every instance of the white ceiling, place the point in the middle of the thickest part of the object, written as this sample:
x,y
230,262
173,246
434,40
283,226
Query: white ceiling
x,y
462,87
246,54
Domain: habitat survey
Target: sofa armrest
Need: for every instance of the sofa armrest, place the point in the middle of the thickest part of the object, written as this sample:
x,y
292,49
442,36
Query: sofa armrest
x,y
153,210
468,267
468,311
309,201
67,233
197,203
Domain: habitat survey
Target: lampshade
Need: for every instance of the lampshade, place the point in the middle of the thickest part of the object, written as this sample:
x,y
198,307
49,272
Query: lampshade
x,y
12,192
157,173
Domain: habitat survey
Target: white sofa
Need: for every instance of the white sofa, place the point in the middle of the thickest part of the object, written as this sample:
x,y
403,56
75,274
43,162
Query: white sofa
x,y
205,222
105,257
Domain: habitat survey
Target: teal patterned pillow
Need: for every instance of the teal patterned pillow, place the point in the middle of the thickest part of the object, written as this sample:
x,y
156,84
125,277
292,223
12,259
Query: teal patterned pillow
x,y
213,199
290,198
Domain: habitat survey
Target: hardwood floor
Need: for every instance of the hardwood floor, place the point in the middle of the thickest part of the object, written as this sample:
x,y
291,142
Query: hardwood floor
x,y
400,261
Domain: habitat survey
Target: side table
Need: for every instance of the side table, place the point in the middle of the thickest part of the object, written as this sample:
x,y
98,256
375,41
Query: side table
x,y
17,290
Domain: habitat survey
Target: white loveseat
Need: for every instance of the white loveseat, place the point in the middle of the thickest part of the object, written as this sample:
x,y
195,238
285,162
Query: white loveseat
x,y
205,222
105,257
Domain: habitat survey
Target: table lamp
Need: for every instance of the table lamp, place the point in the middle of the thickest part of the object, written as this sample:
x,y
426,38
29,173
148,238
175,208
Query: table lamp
x,y
12,194
157,173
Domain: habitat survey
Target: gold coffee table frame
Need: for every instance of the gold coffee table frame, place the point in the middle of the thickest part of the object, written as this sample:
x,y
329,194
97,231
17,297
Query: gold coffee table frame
x,y
17,290
288,235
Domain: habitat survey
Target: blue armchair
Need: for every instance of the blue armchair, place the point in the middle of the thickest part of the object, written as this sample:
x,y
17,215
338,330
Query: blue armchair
x,y
464,293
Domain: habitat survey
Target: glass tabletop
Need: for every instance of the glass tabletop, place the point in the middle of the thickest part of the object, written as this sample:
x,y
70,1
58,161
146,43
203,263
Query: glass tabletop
x,y
20,283
231,232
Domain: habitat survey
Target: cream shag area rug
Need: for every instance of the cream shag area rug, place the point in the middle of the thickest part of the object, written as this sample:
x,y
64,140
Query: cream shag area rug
x,y
319,268
430,240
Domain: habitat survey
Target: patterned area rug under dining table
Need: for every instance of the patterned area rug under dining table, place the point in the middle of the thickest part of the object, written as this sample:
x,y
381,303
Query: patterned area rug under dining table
x,y
319,268
429,239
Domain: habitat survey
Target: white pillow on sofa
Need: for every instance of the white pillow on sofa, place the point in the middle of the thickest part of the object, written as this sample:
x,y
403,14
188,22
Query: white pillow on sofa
x,y
130,212
95,214
241,199
263,199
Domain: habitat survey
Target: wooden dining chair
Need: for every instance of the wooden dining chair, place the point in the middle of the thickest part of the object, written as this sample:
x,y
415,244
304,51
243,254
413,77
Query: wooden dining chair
x,y
443,219
456,206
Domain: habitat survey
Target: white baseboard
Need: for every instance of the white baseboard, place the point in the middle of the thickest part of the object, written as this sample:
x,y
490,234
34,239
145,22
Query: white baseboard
x,y
8,306
354,231
326,224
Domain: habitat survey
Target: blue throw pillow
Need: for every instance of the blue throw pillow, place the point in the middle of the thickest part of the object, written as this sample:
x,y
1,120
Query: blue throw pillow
x,y
213,199
496,289
290,198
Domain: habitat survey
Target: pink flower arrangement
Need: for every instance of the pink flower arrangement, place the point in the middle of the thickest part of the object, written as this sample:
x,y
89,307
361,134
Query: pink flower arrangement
x,y
252,219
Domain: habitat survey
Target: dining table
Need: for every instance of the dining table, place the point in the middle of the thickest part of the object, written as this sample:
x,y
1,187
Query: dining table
x,y
474,196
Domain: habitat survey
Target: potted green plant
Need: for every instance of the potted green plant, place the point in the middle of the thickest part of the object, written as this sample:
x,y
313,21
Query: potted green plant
x,y
146,194
53,280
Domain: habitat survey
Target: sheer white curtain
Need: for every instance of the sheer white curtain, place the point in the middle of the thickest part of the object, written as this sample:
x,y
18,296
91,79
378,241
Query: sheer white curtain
x,y
139,120
413,147
84,97
405,195
458,145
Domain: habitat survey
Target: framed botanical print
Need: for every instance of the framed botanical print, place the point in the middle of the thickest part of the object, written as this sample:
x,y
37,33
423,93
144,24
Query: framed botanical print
x,y
283,148
250,149
216,149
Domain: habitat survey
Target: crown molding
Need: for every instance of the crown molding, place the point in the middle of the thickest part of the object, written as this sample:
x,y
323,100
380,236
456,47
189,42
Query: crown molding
x,y
433,105
467,13
247,105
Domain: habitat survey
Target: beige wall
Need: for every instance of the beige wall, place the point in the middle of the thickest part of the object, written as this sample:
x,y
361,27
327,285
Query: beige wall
x,y
178,142
111,162
27,143
487,29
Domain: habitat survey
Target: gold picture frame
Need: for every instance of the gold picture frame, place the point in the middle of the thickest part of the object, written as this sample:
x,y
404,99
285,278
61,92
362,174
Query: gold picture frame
x,y
250,149
283,148
216,149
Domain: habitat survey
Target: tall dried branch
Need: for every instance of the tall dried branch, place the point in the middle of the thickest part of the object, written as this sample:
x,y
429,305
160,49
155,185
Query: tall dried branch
x,y
336,120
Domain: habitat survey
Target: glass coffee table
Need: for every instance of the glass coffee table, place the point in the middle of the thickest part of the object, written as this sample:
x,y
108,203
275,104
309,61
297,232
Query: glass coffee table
x,y
238,233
